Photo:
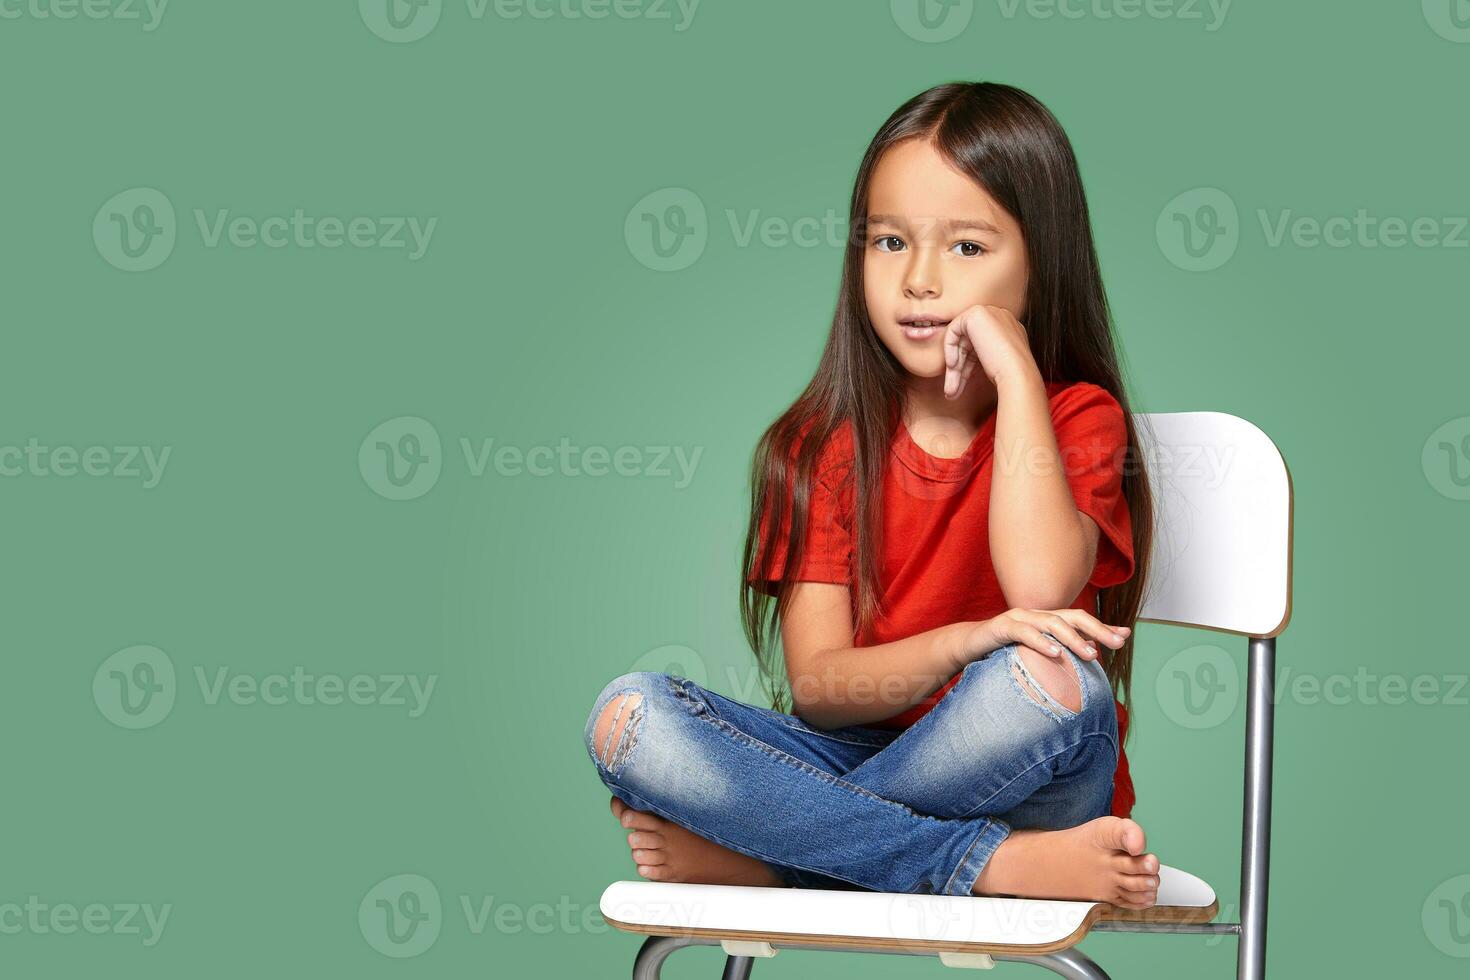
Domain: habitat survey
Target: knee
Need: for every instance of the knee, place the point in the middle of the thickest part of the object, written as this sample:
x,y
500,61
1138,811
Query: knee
x,y
1056,676
617,715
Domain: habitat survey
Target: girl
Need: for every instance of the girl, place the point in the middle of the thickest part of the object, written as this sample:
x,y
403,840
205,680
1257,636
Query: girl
x,y
942,533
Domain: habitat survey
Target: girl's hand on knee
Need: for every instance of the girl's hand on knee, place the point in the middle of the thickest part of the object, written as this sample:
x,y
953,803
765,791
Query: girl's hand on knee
x,y
1048,632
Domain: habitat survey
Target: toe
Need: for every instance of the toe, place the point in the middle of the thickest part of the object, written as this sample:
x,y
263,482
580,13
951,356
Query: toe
x,y
651,872
1117,834
655,856
1128,864
646,838
618,806
1139,883
1137,901
640,820
1131,835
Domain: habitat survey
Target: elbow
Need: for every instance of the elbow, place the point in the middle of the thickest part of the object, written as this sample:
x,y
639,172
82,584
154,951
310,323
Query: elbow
x,y
1054,591
807,690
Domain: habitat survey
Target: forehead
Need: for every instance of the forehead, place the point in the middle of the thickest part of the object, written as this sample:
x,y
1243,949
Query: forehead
x,y
914,181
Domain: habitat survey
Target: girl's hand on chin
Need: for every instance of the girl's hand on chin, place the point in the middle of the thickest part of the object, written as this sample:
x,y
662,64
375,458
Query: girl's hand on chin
x,y
988,335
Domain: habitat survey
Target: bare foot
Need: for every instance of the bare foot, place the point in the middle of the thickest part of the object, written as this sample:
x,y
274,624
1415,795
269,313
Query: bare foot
x,y
1100,861
664,851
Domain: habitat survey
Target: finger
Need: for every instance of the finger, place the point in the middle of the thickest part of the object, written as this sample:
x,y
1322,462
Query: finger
x,y
968,369
1095,627
1058,627
954,381
965,367
1041,642
954,336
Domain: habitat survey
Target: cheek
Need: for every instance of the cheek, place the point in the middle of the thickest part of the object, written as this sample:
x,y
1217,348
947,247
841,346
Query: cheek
x,y
872,283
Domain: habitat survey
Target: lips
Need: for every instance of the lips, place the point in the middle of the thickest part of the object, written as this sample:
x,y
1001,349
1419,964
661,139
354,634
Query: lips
x,y
922,326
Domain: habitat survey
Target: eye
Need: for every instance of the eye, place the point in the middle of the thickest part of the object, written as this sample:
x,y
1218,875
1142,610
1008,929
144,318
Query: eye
x,y
975,248
878,243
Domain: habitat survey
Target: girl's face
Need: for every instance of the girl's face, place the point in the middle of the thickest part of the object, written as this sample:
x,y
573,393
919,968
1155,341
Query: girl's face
x,y
937,244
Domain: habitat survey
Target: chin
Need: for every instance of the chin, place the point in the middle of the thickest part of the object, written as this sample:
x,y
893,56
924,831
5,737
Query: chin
x,y
924,367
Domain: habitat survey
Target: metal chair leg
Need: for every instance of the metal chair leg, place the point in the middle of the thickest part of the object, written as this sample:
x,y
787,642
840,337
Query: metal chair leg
x,y
655,950
1070,963
737,967
1255,849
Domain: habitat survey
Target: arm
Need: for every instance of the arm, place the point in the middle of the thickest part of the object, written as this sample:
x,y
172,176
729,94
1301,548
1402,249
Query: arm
x,y
834,683
1042,547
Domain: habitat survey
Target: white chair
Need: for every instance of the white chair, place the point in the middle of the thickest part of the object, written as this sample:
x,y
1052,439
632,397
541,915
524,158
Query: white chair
x,y
1221,560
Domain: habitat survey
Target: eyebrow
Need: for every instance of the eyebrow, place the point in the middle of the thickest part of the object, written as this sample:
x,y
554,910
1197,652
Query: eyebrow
x,y
948,224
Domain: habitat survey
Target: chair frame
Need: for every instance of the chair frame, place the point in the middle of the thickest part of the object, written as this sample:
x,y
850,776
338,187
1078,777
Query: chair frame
x,y
1072,963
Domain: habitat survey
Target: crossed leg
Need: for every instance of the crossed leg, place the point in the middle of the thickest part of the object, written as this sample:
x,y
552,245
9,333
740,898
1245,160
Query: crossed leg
x,y
1100,859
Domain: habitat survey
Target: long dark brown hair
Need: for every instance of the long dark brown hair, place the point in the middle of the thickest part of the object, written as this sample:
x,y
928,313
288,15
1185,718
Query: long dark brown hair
x,y
1014,148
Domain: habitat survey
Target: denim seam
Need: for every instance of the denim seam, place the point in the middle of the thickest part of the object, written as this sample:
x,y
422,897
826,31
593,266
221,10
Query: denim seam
x,y
876,742
964,861
797,725
802,765
971,812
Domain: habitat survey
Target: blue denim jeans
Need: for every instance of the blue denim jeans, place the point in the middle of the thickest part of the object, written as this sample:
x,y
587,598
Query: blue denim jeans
x,y
916,811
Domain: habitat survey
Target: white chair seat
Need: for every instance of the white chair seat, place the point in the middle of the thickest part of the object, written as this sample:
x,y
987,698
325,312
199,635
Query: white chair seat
x,y
855,919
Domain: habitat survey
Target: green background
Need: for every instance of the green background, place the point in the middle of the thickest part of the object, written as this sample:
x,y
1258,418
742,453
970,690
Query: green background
x,y
530,320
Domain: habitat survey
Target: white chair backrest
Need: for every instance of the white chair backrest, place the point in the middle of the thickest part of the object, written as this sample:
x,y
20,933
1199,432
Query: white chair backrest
x,y
1221,555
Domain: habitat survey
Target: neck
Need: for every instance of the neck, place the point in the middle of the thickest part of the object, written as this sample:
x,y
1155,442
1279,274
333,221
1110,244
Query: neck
x,y
924,402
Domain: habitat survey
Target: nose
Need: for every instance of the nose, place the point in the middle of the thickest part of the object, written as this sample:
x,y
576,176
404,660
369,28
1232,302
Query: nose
x,y
921,279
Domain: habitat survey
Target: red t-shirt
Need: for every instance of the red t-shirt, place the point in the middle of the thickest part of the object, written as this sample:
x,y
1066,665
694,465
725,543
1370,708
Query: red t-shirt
x,y
936,566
